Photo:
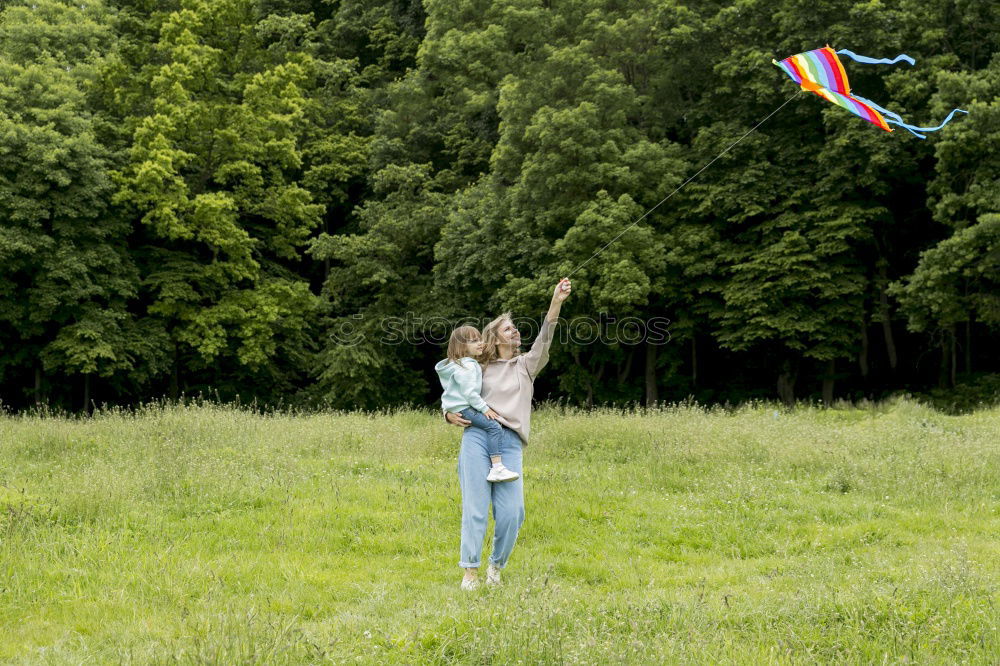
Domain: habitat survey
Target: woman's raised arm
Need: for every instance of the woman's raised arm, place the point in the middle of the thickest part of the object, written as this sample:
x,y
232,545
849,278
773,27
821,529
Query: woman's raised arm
x,y
536,357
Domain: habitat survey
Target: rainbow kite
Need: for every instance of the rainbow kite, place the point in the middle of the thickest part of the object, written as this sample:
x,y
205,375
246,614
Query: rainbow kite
x,y
820,71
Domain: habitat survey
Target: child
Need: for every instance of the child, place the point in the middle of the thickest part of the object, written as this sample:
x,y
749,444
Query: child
x,y
462,381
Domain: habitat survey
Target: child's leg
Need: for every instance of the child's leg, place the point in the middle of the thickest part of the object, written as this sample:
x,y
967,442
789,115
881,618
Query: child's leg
x,y
494,431
494,438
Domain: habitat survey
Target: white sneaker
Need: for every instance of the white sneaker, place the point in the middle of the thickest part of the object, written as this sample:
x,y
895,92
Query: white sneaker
x,y
492,575
469,584
499,474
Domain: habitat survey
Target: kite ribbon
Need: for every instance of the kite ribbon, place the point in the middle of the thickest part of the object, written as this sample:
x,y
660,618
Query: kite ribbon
x,y
891,117
876,61
895,119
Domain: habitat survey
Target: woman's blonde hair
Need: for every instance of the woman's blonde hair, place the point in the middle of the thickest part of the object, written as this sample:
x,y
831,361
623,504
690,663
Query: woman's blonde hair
x,y
460,337
491,339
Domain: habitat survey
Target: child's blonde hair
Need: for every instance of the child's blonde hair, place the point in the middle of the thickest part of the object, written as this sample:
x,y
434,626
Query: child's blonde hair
x,y
460,337
491,338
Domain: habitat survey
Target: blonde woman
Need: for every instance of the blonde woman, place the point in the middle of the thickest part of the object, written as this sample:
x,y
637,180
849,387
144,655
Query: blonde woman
x,y
508,386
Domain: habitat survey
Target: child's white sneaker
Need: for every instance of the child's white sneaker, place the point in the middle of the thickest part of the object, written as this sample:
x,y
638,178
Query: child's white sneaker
x,y
469,584
492,574
499,474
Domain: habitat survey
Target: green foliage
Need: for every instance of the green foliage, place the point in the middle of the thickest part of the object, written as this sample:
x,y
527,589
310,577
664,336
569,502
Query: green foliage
x,y
620,279
956,280
379,274
67,275
972,394
203,195
214,172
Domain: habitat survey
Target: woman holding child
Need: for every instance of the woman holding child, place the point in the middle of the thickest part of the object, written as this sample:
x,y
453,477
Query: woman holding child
x,y
489,461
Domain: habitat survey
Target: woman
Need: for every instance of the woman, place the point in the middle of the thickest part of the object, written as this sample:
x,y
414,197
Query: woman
x,y
508,378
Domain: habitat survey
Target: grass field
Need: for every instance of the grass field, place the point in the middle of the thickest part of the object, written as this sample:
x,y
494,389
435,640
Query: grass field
x,y
206,534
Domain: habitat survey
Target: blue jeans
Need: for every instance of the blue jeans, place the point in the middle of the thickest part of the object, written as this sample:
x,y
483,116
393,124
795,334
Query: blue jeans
x,y
478,493
494,429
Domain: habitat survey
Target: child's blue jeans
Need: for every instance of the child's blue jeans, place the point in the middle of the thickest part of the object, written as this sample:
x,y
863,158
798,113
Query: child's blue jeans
x,y
494,429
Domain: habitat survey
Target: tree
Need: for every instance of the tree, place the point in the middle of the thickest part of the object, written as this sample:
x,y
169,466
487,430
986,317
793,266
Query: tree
x,y
571,150
67,278
954,282
215,175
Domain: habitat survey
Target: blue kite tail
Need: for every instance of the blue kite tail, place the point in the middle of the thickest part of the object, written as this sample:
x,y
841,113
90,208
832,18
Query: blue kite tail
x,y
894,118
876,61
913,130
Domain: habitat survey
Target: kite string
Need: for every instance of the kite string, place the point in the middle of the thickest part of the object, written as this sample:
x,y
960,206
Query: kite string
x,y
681,186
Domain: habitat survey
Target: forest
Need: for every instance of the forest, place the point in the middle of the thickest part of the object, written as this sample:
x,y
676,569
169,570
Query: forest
x,y
237,199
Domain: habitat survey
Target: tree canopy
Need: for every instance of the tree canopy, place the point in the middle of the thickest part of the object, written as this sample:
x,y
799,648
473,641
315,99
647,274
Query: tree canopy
x,y
290,201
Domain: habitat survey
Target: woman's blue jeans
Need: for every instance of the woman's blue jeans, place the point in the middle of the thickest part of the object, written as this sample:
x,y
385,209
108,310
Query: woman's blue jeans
x,y
478,493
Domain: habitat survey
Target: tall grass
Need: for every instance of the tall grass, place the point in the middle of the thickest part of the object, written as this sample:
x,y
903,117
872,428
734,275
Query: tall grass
x,y
207,534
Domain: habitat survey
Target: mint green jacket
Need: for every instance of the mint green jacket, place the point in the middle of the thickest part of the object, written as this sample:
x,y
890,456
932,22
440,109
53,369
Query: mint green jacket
x,y
462,384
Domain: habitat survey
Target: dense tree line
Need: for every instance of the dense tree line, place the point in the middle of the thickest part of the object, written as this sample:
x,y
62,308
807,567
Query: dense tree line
x,y
231,197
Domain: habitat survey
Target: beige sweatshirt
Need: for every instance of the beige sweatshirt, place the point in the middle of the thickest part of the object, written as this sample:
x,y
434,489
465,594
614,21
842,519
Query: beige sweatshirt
x,y
508,385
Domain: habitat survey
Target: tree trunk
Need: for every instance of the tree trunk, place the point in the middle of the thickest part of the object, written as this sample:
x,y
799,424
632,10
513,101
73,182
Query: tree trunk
x,y
786,381
625,370
652,397
943,374
175,389
828,380
694,361
86,393
890,344
884,315
38,385
863,356
592,381
968,346
953,343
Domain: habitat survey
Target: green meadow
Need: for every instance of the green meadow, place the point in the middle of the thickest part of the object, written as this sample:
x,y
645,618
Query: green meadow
x,y
208,534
